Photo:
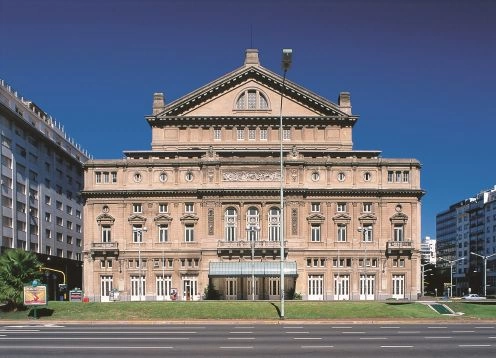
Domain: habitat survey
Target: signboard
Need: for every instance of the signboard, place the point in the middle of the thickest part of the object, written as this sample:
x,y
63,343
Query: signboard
x,y
76,296
35,295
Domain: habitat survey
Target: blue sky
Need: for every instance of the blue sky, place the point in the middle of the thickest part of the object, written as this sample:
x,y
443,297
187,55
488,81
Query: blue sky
x,y
422,74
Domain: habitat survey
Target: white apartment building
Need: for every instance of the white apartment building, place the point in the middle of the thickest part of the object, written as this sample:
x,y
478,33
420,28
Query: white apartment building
x,y
41,180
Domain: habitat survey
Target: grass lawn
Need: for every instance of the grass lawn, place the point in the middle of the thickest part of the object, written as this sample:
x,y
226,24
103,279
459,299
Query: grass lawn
x,y
246,310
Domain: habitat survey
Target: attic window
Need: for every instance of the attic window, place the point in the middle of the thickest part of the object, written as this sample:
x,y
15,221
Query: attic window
x,y
252,100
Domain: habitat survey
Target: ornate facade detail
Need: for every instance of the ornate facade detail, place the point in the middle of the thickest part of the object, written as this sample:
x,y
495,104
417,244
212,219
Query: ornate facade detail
x,y
244,176
211,221
294,221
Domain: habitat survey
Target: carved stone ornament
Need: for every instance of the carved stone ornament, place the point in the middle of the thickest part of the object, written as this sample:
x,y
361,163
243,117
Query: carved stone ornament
x,y
244,175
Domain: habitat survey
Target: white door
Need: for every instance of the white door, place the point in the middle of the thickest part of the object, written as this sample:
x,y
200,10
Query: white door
x,y
190,288
341,287
399,286
231,288
106,285
367,287
315,287
164,285
137,288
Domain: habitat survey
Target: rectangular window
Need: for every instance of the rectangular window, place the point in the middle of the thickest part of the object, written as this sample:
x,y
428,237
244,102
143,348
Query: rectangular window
x,y
106,233
286,134
406,177
163,233
58,205
137,208
390,177
189,208
367,207
48,217
252,134
315,228
263,134
367,233
240,133
341,207
138,233
217,134
315,207
189,231
163,208
341,232
398,232
98,177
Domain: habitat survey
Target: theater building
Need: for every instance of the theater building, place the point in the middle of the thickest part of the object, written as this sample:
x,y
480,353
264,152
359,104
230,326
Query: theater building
x,y
202,208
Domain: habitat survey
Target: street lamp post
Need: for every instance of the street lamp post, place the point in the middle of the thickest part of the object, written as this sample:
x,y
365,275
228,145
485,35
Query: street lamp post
x,y
423,278
139,236
451,262
252,236
485,268
286,64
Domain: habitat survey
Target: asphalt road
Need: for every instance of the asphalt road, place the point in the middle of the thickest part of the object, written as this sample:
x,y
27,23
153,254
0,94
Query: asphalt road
x,y
247,340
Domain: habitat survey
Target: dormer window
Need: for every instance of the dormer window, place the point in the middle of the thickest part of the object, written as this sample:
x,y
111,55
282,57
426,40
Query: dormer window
x,y
252,100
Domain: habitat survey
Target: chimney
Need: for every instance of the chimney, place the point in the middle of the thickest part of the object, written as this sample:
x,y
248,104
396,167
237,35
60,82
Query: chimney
x,y
158,103
251,57
344,102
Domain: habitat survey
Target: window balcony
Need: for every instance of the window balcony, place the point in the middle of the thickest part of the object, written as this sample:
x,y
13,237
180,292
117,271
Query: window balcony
x,y
244,248
104,249
399,248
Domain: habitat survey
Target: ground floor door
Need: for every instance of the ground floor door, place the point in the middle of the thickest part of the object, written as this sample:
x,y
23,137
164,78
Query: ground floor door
x,y
164,286
190,288
106,285
398,286
341,287
316,287
253,289
231,288
367,287
137,288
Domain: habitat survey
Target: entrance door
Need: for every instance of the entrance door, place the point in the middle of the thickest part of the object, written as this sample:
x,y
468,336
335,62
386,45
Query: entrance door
x,y
190,288
106,285
316,287
341,287
367,287
137,288
399,286
231,288
252,294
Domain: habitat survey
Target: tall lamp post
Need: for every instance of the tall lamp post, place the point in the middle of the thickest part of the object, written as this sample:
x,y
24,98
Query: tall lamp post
x,y
422,266
485,268
139,236
287,55
452,263
252,236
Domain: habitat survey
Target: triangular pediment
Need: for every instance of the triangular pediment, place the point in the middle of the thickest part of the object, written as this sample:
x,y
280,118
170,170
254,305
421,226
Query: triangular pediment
x,y
219,98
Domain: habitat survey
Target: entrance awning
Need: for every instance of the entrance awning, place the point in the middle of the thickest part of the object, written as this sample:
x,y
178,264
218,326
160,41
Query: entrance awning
x,y
246,269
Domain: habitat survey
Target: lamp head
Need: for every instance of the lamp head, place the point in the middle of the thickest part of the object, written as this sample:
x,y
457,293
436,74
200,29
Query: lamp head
x,y
287,57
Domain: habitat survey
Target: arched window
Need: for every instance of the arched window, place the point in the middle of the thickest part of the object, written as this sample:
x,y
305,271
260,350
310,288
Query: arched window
x,y
252,221
230,219
252,99
274,224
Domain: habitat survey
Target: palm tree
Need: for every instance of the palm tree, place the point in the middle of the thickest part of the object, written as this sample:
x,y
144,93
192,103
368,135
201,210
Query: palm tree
x,y
17,268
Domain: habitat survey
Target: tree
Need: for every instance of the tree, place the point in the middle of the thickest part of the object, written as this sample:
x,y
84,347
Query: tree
x,y
17,268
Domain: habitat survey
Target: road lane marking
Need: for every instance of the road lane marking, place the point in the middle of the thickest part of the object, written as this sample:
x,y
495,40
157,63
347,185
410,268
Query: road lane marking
x,y
236,347
312,347
19,330
79,348
373,338
301,332
241,338
391,327
240,332
438,337
408,332
308,338
396,346
437,327
93,338
483,327
463,331
244,327
342,327
473,345
353,332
